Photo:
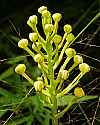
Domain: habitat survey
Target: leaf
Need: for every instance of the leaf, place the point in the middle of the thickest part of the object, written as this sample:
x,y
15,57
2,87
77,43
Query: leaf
x,y
14,38
71,99
7,73
15,59
65,100
86,98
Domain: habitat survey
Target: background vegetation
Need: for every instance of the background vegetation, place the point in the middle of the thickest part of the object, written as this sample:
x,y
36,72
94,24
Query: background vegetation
x,y
13,88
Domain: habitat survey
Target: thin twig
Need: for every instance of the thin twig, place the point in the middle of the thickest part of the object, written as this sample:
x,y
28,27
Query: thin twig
x,y
88,121
95,111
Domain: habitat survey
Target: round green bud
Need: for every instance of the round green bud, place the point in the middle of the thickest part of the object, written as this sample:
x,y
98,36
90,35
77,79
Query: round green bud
x,y
39,85
70,37
84,68
57,39
38,58
49,28
78,59
65,74
57,17
41,9
20,69
33,19
46,13
67,28
70,52
33,36
79,92
23,43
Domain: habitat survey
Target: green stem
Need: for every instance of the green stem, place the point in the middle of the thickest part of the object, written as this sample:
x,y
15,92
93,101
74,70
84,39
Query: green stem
x,y
59,115
54,110
28,78
62,68
30,52
71,85
64,37
72,67
54,31
61,56
65,63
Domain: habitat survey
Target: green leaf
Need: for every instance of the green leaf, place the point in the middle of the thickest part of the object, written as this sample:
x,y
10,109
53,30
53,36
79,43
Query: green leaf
x,y
7,73
86,98
65,100
15,59
71,99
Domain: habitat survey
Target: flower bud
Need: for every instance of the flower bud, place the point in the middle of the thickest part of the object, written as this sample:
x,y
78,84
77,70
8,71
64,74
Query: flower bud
x,y
39,85
67,28
78,91
34,47
33,19
78,59
46,13
39,79
41,9
70,52
84,68
57,39
29,23
49,28
65,74
23,43
70,37
57,17
33,36
20,69
38,58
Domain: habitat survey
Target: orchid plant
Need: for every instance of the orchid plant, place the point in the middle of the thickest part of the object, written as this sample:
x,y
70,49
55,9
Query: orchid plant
x,y
49,53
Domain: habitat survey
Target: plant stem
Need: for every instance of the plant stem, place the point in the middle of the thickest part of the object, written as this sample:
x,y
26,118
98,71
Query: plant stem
x,y
59,115
28,78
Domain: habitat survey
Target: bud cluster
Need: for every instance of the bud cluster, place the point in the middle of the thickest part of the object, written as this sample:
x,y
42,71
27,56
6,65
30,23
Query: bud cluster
x,y
48,52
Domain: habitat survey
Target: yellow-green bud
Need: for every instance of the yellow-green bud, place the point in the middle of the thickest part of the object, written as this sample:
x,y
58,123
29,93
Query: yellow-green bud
x,y
39,79
46,13
41,9
70,37
70,52
33,36
39,85
84,68
79,92
65,74
33,19
57,17
78,59
67,28
38,58
49,28
57,39
23,43
34,47
20,69
29,23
